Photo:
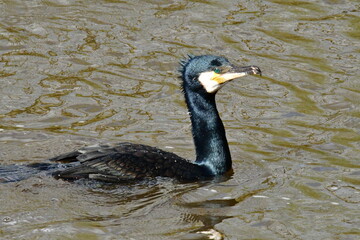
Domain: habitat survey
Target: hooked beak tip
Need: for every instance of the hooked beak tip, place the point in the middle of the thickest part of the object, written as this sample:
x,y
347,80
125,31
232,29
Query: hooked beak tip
x,y
248,70
256,70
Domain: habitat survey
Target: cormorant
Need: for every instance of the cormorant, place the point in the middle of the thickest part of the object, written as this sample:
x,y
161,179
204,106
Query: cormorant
x,y
202,76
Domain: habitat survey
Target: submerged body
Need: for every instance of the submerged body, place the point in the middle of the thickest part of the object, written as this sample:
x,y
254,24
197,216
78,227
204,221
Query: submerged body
x,y
202,77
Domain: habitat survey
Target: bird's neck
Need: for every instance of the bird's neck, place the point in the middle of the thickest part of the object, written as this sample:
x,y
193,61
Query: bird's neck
x,y
208,131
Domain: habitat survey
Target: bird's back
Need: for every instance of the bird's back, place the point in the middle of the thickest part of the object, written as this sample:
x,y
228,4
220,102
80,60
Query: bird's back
x,y
126,161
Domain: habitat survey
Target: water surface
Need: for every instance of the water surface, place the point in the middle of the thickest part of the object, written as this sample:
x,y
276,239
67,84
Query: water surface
x,y
75,73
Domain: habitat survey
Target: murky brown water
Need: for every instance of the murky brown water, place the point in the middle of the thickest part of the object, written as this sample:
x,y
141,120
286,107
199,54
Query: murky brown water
x,y
74,73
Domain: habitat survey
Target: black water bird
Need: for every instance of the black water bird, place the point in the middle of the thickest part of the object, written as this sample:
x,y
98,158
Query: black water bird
x,y
202,77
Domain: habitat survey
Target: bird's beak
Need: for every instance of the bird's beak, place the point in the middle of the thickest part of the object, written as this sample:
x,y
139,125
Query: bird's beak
x,y
235,72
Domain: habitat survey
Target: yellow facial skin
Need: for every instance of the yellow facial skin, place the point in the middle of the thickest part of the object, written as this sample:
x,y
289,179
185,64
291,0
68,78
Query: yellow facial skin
x,y
213,81
221,78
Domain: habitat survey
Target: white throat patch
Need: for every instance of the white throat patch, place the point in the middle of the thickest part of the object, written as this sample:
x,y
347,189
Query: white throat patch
x,y
210,85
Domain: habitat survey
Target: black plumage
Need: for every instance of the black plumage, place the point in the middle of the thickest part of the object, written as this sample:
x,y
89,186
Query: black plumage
x,y
126,161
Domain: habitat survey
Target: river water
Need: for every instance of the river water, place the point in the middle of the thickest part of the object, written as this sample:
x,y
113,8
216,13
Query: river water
x,y
75,73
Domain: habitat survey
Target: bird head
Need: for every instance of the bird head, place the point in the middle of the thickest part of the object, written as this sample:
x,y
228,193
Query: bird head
x,y
210,73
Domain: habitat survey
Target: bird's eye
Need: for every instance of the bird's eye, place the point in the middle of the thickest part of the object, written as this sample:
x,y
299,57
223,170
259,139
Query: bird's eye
x,y
217,70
